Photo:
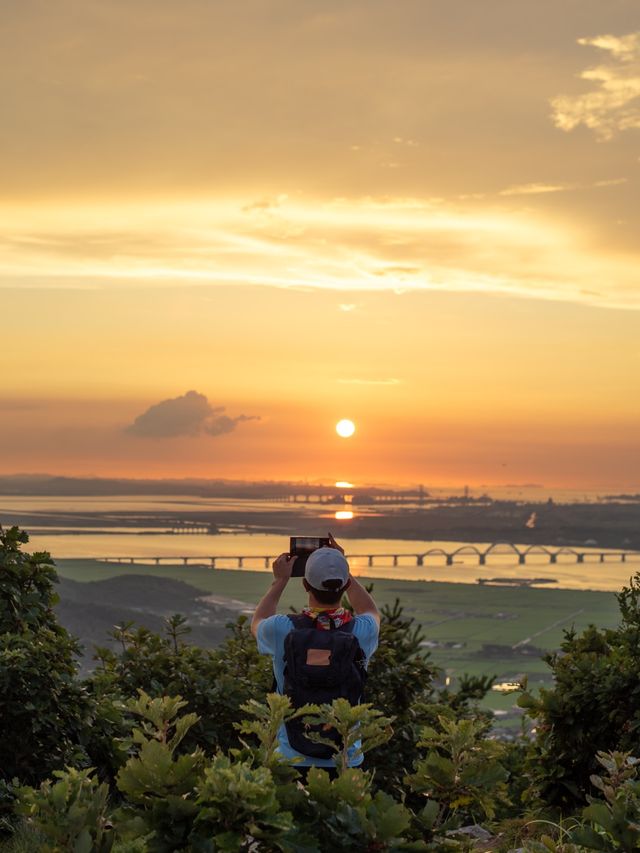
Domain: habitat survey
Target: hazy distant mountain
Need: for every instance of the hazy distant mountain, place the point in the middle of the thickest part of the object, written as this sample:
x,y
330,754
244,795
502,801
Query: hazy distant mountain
x,y
45,484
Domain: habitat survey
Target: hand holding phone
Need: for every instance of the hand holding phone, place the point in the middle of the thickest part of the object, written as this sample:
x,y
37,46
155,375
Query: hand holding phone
x,y
301,547
282,566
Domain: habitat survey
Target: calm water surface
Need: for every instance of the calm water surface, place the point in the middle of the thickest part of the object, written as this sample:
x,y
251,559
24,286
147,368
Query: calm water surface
x,y
141,543
592,574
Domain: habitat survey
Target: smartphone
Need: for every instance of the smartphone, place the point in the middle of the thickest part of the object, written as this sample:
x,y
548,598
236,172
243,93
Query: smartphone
x,y
301,547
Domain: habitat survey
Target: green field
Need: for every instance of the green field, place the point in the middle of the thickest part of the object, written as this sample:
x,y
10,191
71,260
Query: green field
x,y
460,618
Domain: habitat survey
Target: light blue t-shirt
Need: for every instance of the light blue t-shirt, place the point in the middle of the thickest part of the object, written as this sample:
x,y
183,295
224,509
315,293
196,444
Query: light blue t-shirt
x,y
270,636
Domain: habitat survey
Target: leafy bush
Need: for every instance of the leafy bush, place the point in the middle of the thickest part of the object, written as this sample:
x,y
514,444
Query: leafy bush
x,y
613,821
157,784
593,706
184,744
69,814
237,802
214,682
44,710
460,773
402,684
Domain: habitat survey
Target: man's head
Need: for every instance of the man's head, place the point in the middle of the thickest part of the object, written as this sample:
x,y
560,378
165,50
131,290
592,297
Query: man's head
x,y
326,576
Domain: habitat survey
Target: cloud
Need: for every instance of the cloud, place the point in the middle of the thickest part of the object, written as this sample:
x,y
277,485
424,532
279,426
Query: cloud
x,y
265,205
614,104
348,245
540,188
536,189
398,271
188,415
223,423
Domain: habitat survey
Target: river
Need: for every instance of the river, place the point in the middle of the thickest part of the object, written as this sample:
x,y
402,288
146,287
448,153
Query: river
x,y
65,542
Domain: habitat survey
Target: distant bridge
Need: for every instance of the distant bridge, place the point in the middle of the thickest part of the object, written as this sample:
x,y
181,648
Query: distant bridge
x,y
449,558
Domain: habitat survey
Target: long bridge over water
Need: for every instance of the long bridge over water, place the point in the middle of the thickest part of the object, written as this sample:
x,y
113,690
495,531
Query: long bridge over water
x,y
409,558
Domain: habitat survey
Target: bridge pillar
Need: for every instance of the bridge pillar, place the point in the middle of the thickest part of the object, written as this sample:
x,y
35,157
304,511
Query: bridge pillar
x,y
240,562
266,562
580,558
185,560
420,559
132,560
395,559
449,559
623,558
482,559
157,561
553,558
522,559
602,558
370,560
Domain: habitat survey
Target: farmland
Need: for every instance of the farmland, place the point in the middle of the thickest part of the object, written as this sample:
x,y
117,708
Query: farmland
x,y
467,627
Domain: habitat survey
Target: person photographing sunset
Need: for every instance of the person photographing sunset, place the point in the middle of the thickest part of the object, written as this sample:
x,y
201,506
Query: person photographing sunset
x,y
321,653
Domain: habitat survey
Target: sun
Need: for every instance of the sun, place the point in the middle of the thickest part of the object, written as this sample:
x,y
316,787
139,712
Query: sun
x,y
345,428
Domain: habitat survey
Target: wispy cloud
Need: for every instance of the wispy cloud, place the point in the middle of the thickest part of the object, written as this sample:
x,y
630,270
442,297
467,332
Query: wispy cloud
x,y
613,105
188,415
541,189
535,189
368,244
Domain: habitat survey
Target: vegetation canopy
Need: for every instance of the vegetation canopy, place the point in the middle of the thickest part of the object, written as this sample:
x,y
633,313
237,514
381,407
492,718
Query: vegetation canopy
x,y
170,747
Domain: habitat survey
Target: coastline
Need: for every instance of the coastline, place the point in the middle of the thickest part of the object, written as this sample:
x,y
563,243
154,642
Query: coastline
x,y
608,525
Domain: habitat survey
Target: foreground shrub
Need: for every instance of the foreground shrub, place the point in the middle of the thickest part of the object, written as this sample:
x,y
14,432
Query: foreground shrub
x,y
158,785
402,683
237,802
70,814
460,773
184,744
612,822
44,709
344,815
214,682
593,706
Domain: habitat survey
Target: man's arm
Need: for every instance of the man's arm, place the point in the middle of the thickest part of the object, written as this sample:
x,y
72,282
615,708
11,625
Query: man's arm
x,y
358,596
361,601
269,602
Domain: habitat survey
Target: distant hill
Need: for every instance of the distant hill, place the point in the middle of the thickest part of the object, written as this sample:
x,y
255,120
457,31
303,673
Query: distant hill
x,y
46,484
90,610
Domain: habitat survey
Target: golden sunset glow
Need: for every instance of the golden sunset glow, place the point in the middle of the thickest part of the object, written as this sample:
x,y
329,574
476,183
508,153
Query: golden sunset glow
x,y
344,515
225,225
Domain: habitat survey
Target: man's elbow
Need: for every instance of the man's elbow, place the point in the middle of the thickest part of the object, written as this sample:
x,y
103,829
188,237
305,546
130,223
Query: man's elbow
x,y
255,623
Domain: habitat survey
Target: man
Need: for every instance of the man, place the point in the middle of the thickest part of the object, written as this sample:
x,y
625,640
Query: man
x,y
327,578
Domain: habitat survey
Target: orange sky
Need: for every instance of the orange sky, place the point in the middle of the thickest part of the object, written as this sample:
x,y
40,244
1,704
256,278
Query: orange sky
x,y
420,217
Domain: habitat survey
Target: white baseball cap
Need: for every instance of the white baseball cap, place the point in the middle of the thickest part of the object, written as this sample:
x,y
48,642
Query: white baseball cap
x,y
326,564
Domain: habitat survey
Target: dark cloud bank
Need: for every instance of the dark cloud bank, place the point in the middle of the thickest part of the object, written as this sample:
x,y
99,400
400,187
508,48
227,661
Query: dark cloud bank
x,y
190,414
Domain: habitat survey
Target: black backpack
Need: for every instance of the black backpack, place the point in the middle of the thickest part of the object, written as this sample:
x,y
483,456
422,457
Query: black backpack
x,y
320,666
